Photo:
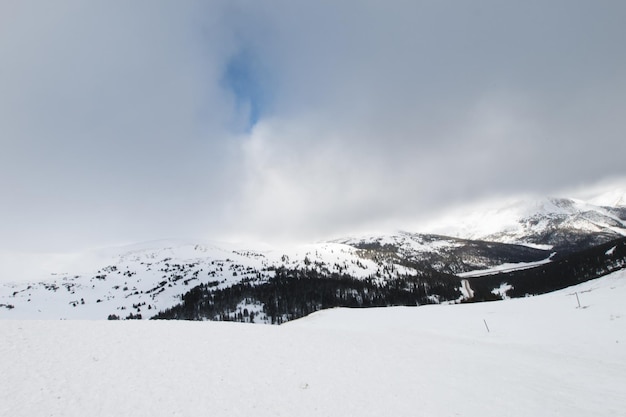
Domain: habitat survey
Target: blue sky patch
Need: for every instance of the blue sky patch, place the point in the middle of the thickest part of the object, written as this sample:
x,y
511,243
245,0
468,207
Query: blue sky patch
x,y
243,76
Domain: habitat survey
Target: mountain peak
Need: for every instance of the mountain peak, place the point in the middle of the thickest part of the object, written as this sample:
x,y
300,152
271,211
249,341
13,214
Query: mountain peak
x,y
612,198
552,221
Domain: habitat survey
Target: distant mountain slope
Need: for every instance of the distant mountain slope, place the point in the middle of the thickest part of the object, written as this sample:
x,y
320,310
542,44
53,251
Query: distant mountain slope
x,y
450,255
558,223
615,197
291,294
537,246
138,281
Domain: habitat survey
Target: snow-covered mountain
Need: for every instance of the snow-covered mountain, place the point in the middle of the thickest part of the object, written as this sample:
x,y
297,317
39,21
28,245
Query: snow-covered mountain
x,y
613,197
551,223
425,252
145,280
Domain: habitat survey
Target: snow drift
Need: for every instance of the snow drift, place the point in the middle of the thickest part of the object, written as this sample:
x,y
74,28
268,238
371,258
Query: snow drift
x,y
542,355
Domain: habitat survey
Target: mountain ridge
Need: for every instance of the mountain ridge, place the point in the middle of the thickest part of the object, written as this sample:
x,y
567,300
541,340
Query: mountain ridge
x,y
144,280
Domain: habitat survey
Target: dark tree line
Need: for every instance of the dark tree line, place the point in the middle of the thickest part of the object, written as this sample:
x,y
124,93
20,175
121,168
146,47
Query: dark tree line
x,y
294,293
562,272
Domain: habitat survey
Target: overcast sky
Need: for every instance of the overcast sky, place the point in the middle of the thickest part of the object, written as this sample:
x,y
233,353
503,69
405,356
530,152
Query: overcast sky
x,y
126,121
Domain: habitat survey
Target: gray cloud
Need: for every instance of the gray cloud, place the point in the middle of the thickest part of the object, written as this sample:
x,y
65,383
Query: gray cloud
x,y
118,122
395,112
112,121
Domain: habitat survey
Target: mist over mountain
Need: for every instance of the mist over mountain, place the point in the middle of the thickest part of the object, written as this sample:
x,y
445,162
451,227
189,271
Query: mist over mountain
x,y
516,249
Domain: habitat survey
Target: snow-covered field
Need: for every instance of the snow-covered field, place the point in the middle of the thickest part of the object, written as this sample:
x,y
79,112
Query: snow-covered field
x,y
543,356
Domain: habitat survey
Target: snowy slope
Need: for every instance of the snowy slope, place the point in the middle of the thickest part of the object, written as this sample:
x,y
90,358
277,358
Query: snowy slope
x,y
615,197
442,253
143,279
543,356
539,222
506,267
146,278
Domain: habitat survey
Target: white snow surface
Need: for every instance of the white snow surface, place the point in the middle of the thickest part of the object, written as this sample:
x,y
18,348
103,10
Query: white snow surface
x,y
543,356
505,267
502,290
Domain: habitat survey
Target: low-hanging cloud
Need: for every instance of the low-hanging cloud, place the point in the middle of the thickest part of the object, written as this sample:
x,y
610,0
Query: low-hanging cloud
x,y
113,121
127,121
